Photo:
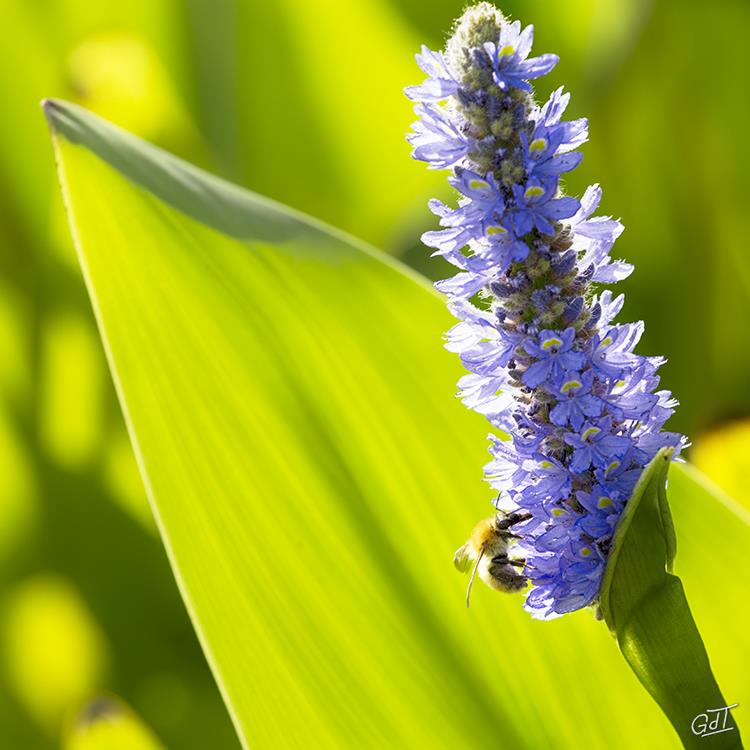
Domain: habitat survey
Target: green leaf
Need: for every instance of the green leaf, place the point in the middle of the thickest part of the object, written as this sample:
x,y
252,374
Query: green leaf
x,y
292,412
645,606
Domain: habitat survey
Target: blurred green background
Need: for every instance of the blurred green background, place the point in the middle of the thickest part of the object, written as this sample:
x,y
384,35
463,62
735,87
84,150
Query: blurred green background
x,y
301,100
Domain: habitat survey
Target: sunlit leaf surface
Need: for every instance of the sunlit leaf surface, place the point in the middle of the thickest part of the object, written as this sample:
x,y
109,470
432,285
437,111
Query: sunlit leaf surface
x,y
312,475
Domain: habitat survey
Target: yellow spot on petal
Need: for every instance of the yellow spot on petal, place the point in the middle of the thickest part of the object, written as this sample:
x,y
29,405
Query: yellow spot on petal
x,y
496,229
559,512
612,467
534,192
549,343
508,49
571,384
478,184
604,502
586,551
538,144
590,433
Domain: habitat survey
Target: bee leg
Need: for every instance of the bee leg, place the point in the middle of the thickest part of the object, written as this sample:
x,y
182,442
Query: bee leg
x,y
505,560
503,577
511,519
509,535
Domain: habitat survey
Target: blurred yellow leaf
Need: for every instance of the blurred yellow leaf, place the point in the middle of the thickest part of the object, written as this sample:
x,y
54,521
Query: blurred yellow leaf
x,y
106,723
722,454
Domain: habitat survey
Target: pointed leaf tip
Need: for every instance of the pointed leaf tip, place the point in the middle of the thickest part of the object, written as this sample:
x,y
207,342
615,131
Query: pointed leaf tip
x,y
50,107
645,606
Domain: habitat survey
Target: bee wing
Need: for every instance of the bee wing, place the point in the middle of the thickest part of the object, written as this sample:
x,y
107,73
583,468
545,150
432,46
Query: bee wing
x,y
463,559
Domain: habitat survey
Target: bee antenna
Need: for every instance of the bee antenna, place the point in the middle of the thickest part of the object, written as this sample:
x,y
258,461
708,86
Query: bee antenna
x,y
471,579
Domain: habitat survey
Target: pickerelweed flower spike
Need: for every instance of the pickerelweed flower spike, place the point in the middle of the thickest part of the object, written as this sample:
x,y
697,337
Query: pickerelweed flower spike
x,y
547,363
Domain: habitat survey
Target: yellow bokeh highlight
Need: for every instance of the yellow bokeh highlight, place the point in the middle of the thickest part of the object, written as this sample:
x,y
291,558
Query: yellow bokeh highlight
x,y
54,653
119,76
18,499
72,390
722,454
14,331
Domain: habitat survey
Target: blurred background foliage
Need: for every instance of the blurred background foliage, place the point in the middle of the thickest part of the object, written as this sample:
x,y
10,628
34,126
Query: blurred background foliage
x,y
301,100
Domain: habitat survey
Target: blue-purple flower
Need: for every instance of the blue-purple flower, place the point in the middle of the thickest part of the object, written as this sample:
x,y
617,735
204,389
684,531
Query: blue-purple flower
x,y
548,366
508,57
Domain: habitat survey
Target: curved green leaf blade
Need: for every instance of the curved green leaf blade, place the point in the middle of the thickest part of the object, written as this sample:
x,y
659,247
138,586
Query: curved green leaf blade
x,y
312,476
645,606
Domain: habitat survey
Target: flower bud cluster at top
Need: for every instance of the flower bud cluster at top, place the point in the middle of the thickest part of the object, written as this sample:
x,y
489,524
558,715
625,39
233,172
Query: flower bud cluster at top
x,y
548,366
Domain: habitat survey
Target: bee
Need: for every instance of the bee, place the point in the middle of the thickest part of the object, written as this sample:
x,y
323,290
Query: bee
x,y
486,551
